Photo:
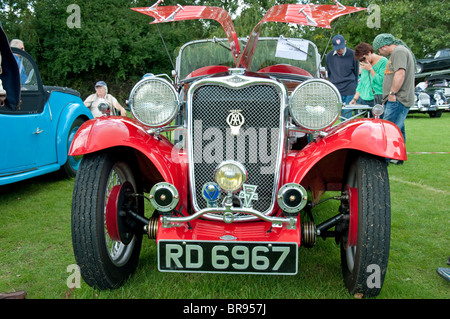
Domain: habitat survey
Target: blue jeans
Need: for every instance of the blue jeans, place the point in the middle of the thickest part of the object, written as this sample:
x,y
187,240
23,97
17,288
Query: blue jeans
x,y
346,99
396,113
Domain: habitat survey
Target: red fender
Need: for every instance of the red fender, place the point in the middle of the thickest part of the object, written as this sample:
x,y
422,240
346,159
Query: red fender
x,y
377,137
109,132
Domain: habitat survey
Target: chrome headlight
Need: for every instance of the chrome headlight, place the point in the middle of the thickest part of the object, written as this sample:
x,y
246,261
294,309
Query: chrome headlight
x,y
154,101
230,176
315,104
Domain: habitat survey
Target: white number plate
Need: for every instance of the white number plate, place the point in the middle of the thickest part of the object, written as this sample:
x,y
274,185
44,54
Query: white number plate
x,y
228,257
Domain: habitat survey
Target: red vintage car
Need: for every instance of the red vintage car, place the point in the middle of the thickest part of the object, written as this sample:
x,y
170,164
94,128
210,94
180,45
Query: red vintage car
x,y
255,147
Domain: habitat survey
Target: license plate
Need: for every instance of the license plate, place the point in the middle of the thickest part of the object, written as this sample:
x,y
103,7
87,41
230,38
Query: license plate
x,y
228,257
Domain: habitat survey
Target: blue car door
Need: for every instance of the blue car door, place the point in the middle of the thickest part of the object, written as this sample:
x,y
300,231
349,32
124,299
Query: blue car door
x,y
31,141
19,148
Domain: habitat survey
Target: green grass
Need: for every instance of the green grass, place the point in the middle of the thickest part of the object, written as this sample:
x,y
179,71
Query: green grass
x,y
36,248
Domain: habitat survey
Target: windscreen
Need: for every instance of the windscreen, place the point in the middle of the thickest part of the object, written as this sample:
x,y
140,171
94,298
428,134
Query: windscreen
x,y
269,51
198,54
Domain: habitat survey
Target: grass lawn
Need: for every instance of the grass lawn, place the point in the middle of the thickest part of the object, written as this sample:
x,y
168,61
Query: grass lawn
x,y
36,247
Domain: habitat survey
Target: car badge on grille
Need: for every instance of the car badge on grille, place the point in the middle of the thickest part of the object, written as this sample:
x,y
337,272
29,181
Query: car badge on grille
x,y
235,120
248,194
210,193
228,237
236,80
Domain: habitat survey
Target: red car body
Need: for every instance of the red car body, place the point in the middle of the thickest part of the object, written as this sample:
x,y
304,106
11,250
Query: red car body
x,y
319,166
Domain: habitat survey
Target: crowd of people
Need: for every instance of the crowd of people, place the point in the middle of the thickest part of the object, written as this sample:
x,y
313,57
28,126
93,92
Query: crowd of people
x,y
381,73
364,77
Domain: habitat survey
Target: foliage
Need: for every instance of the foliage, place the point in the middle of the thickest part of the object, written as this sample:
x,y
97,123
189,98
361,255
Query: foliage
x,y
118,45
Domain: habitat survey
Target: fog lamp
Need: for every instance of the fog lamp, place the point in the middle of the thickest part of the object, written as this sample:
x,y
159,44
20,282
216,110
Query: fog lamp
x,y
230,176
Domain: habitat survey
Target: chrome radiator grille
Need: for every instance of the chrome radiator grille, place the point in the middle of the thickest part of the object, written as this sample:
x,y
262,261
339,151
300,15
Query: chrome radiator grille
x,y
257,146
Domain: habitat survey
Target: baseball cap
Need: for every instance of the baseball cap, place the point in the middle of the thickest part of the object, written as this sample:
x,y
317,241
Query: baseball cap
x,y
338,42
100,83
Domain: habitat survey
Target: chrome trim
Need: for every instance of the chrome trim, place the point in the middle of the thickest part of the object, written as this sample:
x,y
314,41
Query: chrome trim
x,y
168,222
238,82
158,130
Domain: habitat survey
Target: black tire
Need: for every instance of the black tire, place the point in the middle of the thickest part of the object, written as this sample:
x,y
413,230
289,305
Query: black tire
x,y
435,114
72,164
104,264
364,262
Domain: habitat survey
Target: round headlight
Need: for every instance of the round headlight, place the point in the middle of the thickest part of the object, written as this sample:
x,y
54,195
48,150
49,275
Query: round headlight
x,y
154,101
230,176
315,104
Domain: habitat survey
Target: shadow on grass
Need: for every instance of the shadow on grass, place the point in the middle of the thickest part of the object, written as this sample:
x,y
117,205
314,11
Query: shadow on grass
x,y
33,184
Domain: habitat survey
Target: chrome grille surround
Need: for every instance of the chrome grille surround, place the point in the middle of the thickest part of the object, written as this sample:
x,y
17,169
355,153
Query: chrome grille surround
x,y
263,103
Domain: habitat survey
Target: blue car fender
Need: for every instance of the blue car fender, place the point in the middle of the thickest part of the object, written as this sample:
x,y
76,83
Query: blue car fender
x,y
65,133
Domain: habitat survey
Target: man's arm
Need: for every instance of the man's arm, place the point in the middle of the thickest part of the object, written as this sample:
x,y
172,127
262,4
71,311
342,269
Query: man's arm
x,y
120,108
397,82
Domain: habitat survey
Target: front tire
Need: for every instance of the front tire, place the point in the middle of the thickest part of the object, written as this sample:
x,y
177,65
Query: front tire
x,y
104,263
365,243
435,114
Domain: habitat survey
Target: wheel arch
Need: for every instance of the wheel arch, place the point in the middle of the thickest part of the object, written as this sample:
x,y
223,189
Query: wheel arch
x,y
71,112
328,174
156,157
320,166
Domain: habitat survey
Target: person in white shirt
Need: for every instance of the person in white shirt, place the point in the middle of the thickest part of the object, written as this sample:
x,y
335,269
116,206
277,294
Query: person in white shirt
x,y
422,85
100,103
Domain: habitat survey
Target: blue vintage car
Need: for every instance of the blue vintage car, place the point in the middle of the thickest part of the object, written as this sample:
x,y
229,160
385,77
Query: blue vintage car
x,y
37,122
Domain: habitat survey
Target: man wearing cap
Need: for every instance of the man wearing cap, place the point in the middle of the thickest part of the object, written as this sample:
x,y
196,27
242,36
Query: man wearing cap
x,y
399,77
343,70
100,102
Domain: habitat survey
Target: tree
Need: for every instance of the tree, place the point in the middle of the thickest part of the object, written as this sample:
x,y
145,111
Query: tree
x,y
116,44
